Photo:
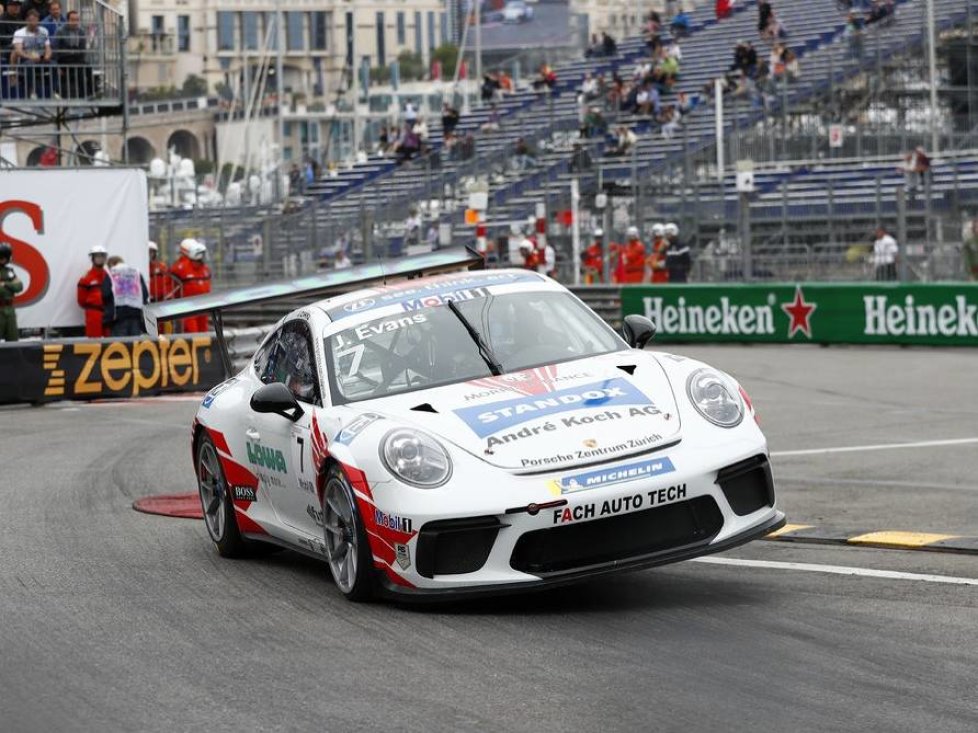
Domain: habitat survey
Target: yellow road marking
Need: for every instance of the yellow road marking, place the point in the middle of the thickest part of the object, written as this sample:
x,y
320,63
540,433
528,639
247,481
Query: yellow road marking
x,y
899,539
785,529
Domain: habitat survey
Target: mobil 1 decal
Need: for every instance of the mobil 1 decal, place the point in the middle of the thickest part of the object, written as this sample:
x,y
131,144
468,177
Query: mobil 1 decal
x,y
603,396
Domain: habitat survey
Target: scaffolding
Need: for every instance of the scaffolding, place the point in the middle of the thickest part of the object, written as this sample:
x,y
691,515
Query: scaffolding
x,y
42,102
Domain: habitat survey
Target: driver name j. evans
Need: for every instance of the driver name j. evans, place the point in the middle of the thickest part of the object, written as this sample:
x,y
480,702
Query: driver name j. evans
x,y
369,330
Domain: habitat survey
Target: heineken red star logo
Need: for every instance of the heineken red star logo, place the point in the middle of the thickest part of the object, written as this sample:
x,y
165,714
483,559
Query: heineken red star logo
x,y
800,314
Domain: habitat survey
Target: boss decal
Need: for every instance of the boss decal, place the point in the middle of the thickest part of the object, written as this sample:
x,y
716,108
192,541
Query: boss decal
x,y
244,493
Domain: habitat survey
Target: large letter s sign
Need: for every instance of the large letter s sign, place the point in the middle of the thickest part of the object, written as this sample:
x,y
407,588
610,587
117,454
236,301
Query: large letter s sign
x,y
25,255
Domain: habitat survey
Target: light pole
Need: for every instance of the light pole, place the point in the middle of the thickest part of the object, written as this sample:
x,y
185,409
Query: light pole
x,y
935,138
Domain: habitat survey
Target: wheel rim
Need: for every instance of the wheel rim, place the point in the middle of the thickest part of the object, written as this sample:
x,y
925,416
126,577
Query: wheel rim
x,y
341,535
212,494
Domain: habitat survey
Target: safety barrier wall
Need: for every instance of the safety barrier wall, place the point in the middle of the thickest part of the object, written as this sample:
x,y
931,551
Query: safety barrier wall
x,y
86,369
933,314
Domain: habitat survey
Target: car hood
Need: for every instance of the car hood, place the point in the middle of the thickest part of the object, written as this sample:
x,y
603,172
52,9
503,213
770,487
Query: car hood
x,y
551,417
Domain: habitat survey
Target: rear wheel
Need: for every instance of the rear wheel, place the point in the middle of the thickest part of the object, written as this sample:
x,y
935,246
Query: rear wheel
x,y
347,549
216,502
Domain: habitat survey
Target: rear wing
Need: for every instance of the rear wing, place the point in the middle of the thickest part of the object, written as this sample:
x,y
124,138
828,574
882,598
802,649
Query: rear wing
x,y
320,285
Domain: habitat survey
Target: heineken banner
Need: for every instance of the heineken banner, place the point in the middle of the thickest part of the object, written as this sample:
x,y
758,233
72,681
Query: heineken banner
x,y
940,314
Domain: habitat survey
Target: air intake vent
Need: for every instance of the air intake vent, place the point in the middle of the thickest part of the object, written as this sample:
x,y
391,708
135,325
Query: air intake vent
x,y
627,368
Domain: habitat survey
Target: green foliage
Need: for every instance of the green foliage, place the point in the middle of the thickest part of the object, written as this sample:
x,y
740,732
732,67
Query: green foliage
x,y
412,66
447,54
194,86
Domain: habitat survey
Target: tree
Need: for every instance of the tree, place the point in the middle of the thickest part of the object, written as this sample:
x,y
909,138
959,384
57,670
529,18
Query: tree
x,y
194,86
447,54
412,66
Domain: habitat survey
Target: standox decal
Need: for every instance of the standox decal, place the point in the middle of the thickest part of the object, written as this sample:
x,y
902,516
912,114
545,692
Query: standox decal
x,y
488,419
614,475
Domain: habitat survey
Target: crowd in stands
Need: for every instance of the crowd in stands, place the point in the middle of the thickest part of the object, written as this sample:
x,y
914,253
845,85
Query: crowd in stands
x,y
43,52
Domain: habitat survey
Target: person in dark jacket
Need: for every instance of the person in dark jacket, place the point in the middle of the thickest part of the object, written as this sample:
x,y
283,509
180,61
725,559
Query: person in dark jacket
x,y
679,261
124,293
71,56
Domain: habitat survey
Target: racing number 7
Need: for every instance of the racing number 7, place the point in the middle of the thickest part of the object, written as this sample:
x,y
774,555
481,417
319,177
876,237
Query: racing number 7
x,y
302,453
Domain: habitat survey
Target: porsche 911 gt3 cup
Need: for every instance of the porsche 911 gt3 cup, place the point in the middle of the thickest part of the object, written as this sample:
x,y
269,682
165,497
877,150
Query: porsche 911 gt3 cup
x,y
482,431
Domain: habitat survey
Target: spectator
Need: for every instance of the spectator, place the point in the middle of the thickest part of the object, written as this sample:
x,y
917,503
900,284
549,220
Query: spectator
x,y
492,123
745,58
764,11
90,293
408,145
633,258
675,51
680,24
195,279
609,47
410,113
53,21
11,21
580,159
10,285
969,250
669,119
124,294
449,119
723,9
594,122
916,168
41,6
341,261
775,60
853,33
506,85
384,140
880,11
421,130
32,52
656,271
775,29
626,141
885,253
592,259
679,261
648,101
589,87
490,87
525,155
160,283
546,78
295,179
792,68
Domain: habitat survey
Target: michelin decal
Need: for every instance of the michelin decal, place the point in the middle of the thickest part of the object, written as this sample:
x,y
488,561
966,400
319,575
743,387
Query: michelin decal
x,y
614,475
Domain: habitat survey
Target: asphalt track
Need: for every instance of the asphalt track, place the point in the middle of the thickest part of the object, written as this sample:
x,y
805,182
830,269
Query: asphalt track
x,y
111,620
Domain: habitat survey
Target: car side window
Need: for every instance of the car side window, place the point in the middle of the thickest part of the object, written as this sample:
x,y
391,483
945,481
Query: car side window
x,y
290,361
260,360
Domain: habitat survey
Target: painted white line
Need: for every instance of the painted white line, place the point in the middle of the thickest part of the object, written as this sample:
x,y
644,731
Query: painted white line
x,y
887,483
881,446
837,570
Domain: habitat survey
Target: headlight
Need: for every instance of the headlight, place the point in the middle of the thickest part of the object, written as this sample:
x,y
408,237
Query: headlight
x,y
416,458
715,398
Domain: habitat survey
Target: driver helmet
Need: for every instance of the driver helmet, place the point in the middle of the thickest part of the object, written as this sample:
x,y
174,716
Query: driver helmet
x,y
6,251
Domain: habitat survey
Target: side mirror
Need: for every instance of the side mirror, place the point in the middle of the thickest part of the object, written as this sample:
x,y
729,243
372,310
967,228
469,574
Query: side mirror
x,y
276,398
637,330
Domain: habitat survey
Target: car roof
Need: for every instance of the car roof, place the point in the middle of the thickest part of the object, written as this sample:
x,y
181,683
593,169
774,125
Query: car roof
x,y
423,292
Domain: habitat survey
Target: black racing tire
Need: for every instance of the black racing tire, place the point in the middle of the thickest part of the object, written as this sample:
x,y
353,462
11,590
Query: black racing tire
x,y
215,500
348,551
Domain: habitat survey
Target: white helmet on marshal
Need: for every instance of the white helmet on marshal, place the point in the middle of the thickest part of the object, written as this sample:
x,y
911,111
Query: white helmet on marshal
x,y
632,232
187,246
658,230
153,247
599,232
671,229
198,251
97,249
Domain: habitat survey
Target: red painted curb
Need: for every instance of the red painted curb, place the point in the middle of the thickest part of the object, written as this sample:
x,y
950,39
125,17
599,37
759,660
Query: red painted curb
x,y
184,506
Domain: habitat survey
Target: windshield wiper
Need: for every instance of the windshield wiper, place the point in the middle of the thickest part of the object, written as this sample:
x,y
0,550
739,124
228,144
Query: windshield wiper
x,y
484,351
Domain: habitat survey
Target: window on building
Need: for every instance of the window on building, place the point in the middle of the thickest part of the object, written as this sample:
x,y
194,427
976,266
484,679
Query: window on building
x,y
319,31
418,33
156,29
349,39
431,29
443,36
225,31
401,30
249,31
296,35
381,46
183,33
271,31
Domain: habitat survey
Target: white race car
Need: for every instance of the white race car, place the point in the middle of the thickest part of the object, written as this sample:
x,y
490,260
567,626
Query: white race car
x,y
477,432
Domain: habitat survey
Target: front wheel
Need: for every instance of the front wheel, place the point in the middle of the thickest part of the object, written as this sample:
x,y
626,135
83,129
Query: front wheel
x,y
347,549
216,502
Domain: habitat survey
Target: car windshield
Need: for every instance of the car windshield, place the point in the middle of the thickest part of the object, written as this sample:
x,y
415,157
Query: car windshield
x,y
430,347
